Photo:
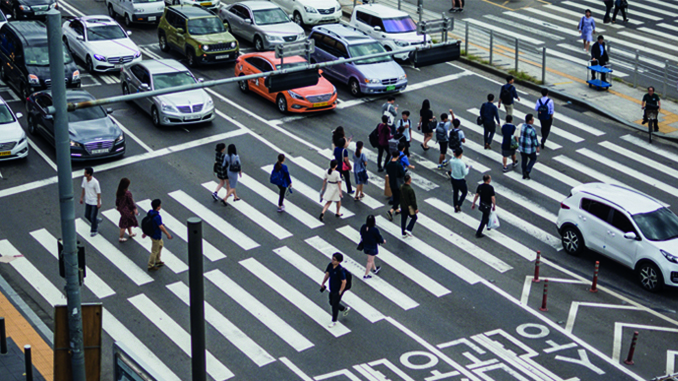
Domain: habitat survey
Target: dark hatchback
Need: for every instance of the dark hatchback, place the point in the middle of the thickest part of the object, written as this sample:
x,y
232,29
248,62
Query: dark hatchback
x,y
93,134
29,9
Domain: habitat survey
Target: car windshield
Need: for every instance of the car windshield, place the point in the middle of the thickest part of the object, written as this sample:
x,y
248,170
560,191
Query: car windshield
x,y
105,32
290,65
88,113
270,16
180,78
660,225
39,56
367,49
208,25
399,25
145,1
5,114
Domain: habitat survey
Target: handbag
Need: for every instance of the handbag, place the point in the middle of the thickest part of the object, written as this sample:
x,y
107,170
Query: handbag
x,y
345,166
479,120
361,246
362,175
514,142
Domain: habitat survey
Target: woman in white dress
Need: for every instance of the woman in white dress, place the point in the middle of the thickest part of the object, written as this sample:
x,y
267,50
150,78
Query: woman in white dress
x,y
331,191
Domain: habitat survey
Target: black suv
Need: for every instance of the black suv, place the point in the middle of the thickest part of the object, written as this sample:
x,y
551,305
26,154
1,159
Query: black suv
x,y
24,59
29,9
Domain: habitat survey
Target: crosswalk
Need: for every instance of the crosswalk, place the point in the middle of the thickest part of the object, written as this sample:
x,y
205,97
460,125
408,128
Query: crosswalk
x,y
264,247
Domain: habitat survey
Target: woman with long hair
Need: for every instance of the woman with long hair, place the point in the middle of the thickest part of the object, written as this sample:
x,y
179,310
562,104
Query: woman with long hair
x,y
331,191
359,170
234,169
280,176
338,134
128,210
426,123
371,239
219,170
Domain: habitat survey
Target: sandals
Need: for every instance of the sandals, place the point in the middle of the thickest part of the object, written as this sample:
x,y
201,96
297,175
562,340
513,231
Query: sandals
x,y
224,202
133,235
356,198
236,199
122,239
321,216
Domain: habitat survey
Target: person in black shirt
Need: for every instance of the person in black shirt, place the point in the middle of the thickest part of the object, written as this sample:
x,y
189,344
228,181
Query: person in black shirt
x,y
337,276
651,106
485,192
396,174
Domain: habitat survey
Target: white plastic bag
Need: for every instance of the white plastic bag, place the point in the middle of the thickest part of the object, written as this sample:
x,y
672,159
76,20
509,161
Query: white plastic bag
x,y
493,223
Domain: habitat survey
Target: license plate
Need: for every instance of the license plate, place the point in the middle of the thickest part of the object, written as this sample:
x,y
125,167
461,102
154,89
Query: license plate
x,y
207,4
188,118
223,56
321,104
390,88
117,66
98,151
152,18
327,18
5,153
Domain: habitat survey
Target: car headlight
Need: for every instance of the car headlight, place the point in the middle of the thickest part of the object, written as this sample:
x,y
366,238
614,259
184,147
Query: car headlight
x,y
338,6
21,141
166,107
99,57
334,90
33,80
76,75
120,138
402,77
273,37
670,257
367,80
234,44
75,144
137,54
310,9
402,43
301,36
295,95
210,103
205,47
25,8
138,10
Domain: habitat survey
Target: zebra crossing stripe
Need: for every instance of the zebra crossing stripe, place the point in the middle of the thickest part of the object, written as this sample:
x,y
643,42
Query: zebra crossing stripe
x,y
545,24
525,202
303,303
583,7
399,265
227,329
373,178
315,274
259,310
377,283
555,130
558,175
113,254
252,213
552,17
662,3
496,156
647,41
523,27
505,32
218,223
650,147
642,159
92,281
537,187
177,334
576,16
636,14
565,119
474,164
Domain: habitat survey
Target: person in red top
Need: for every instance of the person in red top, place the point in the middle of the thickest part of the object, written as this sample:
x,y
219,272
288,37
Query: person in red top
x,y
384,133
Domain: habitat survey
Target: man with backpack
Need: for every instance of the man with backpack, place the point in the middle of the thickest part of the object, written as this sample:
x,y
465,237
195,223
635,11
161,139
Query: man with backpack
x,y
545,111
507,94
153,227
457,136
442,131
340,281
389,109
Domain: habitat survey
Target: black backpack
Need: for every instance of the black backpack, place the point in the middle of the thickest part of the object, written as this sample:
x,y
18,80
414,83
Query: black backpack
x,y
349,279
505,94
374,137
455,141
148,225
543,110
234,165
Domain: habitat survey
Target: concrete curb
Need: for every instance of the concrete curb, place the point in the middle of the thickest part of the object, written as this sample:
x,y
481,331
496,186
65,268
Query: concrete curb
x,y
28,313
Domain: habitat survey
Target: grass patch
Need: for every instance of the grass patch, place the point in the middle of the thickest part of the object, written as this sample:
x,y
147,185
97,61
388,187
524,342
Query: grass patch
x,y
617,79
523,76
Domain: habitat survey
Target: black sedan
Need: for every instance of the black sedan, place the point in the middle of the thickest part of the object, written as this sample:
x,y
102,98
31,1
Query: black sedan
x,y
29,9
93,134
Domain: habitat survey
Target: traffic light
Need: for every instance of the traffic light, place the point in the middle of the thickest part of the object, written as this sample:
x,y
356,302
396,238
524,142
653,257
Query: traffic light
x,y
81,260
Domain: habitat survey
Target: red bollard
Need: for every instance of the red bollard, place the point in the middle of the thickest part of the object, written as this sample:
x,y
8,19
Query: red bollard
x,y
629,359
543,299
536,267
594,285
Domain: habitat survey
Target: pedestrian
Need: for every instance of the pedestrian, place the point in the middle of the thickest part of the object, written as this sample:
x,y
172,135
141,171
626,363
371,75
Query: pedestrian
x,y
442,136
344,167
390,110
620,5
406,124
488,203
608,9
587,28
404,160
408,201
360,170
457,6
371,239
599,56
528,145
384,133
339,133
220,170
427,123
234,170
489,114
458,172
396,175
280,176
124,203
545,111
337,277
651,106
331,190
507,94
154,262
456,137
91,195
508,143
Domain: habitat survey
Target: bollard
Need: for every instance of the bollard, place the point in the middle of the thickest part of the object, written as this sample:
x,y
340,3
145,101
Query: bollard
x,y
3,337
491,45
517,55
29,363
629,359
635,71
543,299
594,284
466,38
543,65
536,268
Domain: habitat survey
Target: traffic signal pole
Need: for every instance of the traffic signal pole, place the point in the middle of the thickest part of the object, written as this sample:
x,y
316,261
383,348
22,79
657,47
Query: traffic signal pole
x,y
66,200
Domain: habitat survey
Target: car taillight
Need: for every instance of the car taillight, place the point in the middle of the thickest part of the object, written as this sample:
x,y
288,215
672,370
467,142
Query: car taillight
x,y
563,206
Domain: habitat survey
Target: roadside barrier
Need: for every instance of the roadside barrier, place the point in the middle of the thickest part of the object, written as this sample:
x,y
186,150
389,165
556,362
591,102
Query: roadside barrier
x,y
3,337
543,299
594,284
536,267
632,349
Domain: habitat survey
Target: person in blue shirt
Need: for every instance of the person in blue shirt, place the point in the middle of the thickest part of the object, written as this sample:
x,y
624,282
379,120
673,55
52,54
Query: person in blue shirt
x,y
489,113
458,172
281,177
404,160
154,262
507,94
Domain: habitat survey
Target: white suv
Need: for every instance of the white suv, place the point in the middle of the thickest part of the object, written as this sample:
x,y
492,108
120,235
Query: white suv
x,y
311,12
625,225
392,28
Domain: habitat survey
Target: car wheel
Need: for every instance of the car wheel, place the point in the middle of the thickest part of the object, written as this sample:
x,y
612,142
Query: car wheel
x,y
281,101
162,41
155,116
258,44
111,12
298,19
650,277
244,86
128,20
355,87
190,56
31,125
573,242
90,64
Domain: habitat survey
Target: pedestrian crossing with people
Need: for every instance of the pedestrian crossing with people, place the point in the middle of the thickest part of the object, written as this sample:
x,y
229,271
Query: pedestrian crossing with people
x,y
245,281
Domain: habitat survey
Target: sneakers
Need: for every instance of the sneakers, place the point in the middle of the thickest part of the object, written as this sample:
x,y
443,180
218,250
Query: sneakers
x,y
481,235
515,164
93,234
380,170
281,208
367,276
457,209
504,169
376,271
347,310
408,233
100,220
215,196
351,192
153,268
332,324
389,215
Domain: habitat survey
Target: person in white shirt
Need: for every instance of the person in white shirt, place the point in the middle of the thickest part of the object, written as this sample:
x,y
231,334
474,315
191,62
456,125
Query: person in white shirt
x,y
91,195
545,111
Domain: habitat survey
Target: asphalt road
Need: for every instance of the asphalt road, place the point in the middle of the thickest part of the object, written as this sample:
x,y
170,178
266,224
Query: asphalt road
x,y
445,305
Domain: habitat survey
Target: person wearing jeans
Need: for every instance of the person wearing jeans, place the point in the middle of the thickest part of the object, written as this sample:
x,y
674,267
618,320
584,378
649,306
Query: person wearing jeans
x,y
488,203
408,201
337,277
528,145
91,196
384,133
281,178
489,113
458,172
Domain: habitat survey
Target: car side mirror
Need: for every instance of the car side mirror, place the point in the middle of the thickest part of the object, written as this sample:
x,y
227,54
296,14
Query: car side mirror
x,y
49,116
129,32
201,80
248,21
630,235
19,115
8,16
109,110
144,87
377,29
180,30
81,38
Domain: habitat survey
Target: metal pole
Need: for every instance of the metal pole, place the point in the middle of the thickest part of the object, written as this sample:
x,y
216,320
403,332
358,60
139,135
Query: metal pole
x,y
543,65
197,299
491,45
635,71
517,53
355,2
64,173
420,10
398,4
3,337
466,38
28,359
666,78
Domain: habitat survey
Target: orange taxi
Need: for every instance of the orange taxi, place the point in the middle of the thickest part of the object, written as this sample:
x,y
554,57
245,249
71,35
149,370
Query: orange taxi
x,y
321,97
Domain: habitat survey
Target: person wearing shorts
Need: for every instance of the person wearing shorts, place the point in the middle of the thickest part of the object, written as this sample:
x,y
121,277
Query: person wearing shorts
x,y
507,132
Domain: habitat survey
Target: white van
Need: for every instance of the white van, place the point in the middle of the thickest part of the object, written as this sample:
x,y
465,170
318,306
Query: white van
x,y
136,11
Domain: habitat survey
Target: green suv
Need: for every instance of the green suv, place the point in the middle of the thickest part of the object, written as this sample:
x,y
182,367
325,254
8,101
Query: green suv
x,y
198,34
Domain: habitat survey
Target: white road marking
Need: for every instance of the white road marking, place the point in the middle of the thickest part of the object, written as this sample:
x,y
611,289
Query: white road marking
x,y
295,369
373,178
530,205
619,330
572,32
131,135
662,3
664,35
669,26
432,145
576,16
642,159
42,154
650,147
523,26
584,7
521,115
574,309
566,120
505,32
537,187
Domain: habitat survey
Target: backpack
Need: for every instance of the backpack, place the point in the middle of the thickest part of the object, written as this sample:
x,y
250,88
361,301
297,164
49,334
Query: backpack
x,y
277,177
148,225
454,141
349,279
440,132
393,144
390,118
543,110
234,166
374,137
505,94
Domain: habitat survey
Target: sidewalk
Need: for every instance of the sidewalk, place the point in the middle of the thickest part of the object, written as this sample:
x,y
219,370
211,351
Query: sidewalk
x,y
564,79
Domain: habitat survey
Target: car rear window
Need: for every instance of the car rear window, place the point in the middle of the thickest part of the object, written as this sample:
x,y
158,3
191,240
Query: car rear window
x,y
660,225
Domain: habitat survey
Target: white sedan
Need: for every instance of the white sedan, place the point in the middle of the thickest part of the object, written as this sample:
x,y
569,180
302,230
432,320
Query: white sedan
x,y
100,42
13,142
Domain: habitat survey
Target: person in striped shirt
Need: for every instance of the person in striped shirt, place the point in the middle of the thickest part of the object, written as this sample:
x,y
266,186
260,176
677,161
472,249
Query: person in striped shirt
x,y
528,145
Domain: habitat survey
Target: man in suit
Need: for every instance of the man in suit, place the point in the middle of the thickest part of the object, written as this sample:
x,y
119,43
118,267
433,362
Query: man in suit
x,y
599,55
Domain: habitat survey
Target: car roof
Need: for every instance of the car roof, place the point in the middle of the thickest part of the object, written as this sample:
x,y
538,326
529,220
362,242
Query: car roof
x,y
381,11
31,31
192,11
166,65
257,5
632,201
97,20
347,33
